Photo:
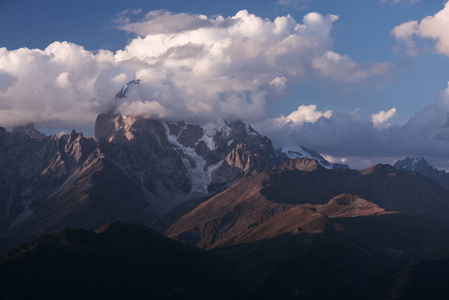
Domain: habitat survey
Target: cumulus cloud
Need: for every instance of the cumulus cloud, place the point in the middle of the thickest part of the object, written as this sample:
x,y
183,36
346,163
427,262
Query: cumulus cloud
x,y
192,67
279,83
431,27
304,114
6,80
351,137
380,119
55,84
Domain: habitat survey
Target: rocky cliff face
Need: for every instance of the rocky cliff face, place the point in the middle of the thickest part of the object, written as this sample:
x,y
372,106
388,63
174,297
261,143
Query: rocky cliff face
x,y
34,166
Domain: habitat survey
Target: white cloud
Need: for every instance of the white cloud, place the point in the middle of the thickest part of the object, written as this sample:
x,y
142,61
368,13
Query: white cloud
x,y
279,83
304,114
342,68
56,84
149,109
191,67
380,119
6,80
163,22
431,27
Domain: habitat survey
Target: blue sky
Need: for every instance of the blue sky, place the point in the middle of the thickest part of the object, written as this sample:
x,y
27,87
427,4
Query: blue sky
x,y
362,33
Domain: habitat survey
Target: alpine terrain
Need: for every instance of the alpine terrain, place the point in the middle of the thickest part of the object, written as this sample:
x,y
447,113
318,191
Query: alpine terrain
x,y
222,214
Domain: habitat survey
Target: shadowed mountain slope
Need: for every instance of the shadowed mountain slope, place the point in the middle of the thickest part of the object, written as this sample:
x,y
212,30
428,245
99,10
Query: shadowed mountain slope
x,y
301,254
118,261
254,200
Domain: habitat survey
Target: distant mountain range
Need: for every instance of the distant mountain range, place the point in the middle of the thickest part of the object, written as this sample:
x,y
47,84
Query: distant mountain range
x,y
135,169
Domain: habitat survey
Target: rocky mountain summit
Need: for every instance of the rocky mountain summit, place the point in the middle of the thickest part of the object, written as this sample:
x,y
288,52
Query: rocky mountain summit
x,y
287,153
194,161
421,166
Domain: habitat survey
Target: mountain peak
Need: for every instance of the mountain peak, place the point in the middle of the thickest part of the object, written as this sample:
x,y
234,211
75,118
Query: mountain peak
x,y
413,164
378,168
347,205
302,164
291,152
29,130
125,89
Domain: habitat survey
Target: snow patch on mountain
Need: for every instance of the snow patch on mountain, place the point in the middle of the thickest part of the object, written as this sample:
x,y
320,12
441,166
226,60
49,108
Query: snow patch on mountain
x,y
125,89
250,130
197,172
209,141
211,169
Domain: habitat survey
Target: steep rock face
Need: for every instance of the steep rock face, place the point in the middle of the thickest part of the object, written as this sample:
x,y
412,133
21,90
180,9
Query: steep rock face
x,y
47,183
421,166
242,158
33,167
107,126
140,147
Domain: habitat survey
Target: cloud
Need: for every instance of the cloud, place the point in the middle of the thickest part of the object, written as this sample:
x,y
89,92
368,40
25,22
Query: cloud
x,y
164,22
431,27
192,67
6,80
351,137
379,120
304,114
405,2
297,4
279,83
149,109
57,84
